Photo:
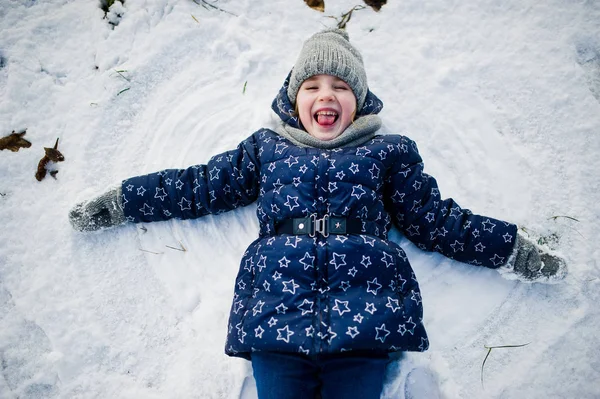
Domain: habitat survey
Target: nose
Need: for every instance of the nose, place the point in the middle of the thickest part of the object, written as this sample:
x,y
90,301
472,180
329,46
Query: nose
x,y
326,95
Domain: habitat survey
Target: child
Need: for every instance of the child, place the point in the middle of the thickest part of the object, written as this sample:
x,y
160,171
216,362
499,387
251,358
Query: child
x,y
322,296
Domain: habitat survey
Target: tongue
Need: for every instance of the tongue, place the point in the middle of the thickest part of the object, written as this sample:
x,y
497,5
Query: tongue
x,y
325,119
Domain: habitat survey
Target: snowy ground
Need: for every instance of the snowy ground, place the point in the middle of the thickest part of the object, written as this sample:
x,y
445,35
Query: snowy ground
x,y
503,98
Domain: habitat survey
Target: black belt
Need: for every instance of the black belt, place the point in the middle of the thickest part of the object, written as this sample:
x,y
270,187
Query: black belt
x,y
311,225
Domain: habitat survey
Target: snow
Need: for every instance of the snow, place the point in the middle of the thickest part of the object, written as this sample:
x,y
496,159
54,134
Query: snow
x,y
503,99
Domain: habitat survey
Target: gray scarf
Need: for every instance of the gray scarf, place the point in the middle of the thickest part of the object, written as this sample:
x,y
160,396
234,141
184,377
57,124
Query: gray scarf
x,y
359,132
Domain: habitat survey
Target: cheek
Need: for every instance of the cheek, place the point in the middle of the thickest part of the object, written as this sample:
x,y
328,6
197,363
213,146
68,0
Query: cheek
x,y
303,108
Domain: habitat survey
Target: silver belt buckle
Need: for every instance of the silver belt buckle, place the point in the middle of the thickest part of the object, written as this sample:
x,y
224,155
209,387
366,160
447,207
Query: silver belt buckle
x,y
319,225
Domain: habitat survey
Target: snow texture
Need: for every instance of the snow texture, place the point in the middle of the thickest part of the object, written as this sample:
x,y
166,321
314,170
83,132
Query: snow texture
x,y
503,99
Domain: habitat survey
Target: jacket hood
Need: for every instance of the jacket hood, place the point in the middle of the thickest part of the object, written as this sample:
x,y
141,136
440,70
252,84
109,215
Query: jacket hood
x,y
285,110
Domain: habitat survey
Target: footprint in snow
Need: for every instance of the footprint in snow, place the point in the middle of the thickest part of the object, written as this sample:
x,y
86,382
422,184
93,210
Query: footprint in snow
x,y
26,371
588,57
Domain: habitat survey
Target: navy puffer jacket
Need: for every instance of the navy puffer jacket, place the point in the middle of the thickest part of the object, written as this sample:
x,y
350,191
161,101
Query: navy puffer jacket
x,y
348,292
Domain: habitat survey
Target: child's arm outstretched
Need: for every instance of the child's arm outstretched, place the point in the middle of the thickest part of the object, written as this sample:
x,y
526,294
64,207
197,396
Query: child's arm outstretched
x,y
227,181
442,225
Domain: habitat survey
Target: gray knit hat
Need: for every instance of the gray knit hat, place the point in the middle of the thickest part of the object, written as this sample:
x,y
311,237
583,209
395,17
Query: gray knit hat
x,y
329,52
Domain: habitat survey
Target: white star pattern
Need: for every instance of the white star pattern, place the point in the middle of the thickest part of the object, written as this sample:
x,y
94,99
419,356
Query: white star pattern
x,y
352,331
277,186
455,212
370,308
398,197
341,238
185,204
374,172
393,304
306,307
402,329
497,260
292,241
307,261
340,310
373,286
416,296
214,173
488,226
387,259
457,246
257,308
290,286
310,331
262,262
362,151
258,332
338,260
280,147
381,333
413,230
147,210
288,333
357,191
281,308
291,205
291,161
237,306
160,193
368,240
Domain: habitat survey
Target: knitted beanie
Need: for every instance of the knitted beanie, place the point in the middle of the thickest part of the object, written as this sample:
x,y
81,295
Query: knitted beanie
x,y
330,53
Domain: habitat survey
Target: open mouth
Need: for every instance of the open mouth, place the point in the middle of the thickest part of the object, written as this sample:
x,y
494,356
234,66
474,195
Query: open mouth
x,y
326,117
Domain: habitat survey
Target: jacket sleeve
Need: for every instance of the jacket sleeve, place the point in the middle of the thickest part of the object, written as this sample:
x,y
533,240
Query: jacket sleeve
x,y
436,224
227,181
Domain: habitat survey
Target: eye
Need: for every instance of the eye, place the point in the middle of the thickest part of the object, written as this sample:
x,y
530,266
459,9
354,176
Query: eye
x,y
341,87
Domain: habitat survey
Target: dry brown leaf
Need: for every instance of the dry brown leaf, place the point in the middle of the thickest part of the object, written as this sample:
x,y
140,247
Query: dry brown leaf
x,y
318,5
375,4
52,155
14,141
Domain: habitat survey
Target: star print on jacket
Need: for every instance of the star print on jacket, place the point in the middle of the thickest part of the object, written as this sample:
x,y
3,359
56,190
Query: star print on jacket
x,y
296,293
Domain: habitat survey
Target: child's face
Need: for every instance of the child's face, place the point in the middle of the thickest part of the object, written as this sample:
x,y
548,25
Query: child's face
x,y
326,106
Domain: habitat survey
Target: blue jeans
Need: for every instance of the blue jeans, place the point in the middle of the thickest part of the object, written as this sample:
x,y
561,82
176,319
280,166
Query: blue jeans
x,y
334,376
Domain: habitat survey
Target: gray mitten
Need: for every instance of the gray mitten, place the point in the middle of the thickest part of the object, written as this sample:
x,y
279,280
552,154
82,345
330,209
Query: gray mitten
x,y
98,213
530,262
